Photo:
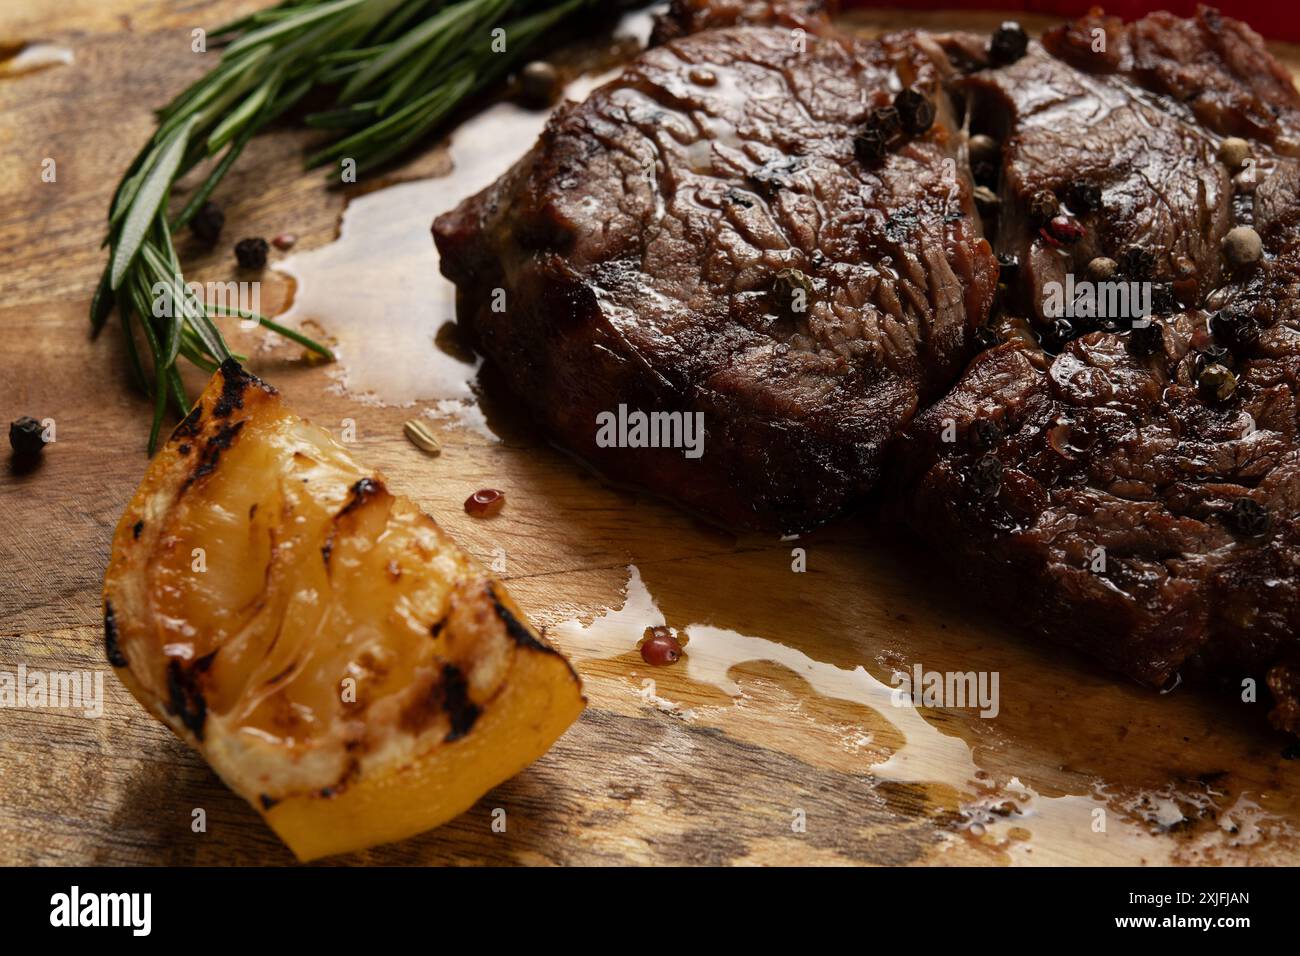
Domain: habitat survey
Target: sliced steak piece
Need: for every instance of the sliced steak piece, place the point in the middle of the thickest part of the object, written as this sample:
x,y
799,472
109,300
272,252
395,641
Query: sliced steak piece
x,y
1122,125
1107,493
650,248
1128,167
1212,65
1138,494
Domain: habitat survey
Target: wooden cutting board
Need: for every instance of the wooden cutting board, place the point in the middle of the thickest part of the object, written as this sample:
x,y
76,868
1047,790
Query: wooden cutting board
x,y
774,741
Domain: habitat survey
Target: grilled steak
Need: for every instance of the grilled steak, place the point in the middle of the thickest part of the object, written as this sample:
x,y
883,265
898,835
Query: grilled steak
x,y
701,236
1129,483
1137,494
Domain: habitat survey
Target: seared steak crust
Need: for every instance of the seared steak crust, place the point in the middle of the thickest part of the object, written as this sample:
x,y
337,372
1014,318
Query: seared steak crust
x,y
639,244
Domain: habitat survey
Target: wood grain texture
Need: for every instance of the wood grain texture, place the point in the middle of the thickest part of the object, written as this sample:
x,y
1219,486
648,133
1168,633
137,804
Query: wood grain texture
x,y
689,774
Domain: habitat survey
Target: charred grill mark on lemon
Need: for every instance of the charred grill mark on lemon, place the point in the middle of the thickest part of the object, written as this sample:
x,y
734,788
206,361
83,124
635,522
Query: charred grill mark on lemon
x,y
189,426
185,696
210,456
518,631
234,383
361,493
448,694
111,649
365,490
339,661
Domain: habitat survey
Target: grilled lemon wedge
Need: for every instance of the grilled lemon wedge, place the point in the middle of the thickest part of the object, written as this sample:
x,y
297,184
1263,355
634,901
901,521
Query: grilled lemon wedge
x,y
339,661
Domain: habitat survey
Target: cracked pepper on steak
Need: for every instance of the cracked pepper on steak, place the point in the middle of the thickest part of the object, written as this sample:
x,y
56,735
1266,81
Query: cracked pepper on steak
x,y
1100,480
1113,493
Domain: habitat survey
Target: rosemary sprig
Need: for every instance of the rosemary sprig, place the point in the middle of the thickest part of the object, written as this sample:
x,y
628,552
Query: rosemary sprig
x,y
395,69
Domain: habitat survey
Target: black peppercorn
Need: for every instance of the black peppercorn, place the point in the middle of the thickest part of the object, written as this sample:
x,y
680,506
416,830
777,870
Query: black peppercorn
x,y
1248,517
986,337
1210,355
26,437
1008,44
1057,335
985,477
915,111
1083,196
870,145
984,172
985,432
984,149
883,129
251,253
1137,263
1237,328
1144,340
1043,207
888,121
208,222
